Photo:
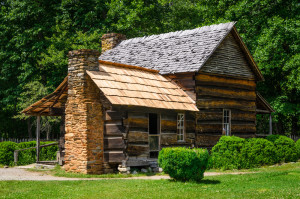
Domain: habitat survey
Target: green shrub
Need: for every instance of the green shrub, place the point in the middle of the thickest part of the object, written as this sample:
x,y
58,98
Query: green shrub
x,y
285,149
226,154
27,156
297,145
257,152
7,153
184,164
272,138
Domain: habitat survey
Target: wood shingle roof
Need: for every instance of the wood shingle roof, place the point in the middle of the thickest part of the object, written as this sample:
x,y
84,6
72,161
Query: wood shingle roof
x,y
133,86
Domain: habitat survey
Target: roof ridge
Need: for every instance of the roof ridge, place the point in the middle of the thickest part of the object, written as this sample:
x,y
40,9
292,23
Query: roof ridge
x,y
227,25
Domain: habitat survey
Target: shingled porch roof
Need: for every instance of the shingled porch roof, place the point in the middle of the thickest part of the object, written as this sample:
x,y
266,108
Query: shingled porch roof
x,y
128,85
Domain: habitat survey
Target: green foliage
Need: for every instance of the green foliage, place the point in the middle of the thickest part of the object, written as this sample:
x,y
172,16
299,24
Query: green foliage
x,y
226,154
237,153
27,156
285,149
297,145
7,152
272,138
37,35
258,152
184,164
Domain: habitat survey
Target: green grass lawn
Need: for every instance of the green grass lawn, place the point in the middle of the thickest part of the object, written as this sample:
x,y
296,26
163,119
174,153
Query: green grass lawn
x,y
269,182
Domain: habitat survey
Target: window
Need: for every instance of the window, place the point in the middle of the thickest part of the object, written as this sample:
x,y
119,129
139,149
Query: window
x,y
180,127
226,121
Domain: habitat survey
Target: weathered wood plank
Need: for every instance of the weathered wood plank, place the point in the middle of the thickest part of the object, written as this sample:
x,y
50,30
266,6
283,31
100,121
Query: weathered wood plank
x,y
114,156
218,116
114,115
168,139
225,93
170,117
113,143
235,128
214,80
168,125
137,115
136,122
137,137
226,103
113,129
206,140
209,128
203,116
181,76
190,126
243,116
136,150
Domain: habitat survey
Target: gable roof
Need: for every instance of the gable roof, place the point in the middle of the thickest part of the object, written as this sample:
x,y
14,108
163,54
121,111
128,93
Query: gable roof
x,y
174,52
136,86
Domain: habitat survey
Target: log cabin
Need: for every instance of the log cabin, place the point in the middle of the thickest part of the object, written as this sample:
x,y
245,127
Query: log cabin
x,y
185,88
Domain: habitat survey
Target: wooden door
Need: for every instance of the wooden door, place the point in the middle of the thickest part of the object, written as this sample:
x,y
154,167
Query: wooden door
x,y
154,135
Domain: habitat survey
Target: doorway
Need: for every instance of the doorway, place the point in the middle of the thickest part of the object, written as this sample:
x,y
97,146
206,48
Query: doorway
x,y
154,135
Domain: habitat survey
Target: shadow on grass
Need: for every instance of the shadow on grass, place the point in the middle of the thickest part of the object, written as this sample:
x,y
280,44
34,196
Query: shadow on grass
x,y
200,182
209,182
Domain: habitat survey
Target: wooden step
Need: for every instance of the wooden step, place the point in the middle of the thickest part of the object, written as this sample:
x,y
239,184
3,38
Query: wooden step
x,y
54,162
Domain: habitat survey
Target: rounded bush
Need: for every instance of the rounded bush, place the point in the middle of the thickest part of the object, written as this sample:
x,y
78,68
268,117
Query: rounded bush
x,y
272,138
285,149
257,152
226,154
297,145
7,152
184,164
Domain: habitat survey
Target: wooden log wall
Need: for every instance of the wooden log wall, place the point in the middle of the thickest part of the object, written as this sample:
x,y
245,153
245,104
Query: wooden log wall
x,y
215,93
114,137
185,81
137,138
169,130
138,133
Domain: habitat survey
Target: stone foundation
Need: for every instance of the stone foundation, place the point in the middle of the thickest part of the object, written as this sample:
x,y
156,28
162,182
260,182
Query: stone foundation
x,y
84,119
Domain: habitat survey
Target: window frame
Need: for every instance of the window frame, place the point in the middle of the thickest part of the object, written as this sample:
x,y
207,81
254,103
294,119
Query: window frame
x,y
180,127
226,122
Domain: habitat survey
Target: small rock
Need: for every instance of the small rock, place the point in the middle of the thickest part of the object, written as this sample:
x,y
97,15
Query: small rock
x,y
144,170
134,172
5,166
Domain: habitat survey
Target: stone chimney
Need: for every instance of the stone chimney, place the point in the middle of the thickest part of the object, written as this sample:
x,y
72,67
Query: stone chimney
x,y
111,40
83,119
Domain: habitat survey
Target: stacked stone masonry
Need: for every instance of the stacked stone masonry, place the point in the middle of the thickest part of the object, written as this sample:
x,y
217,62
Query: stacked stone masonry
x,y
84,123
111,40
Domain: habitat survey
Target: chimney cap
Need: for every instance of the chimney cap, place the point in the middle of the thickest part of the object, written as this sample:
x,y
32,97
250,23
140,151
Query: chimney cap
x,y
83,52
110,35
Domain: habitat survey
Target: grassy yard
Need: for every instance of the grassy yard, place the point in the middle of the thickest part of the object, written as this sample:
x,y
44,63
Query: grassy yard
x,y
270,182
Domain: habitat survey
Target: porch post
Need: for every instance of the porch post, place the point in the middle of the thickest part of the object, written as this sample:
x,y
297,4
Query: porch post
x,y
270,124
38,129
